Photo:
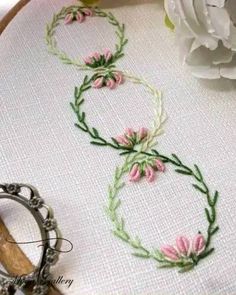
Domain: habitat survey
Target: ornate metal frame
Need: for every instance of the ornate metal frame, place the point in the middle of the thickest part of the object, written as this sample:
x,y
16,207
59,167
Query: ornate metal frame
x,y
40,277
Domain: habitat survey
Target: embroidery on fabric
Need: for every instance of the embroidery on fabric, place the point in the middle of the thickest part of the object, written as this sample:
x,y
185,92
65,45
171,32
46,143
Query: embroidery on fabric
x,y
185,255
80,13
141,159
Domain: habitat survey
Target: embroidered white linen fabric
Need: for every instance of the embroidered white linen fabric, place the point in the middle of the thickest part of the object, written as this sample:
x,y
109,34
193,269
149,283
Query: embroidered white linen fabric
x,y
40,145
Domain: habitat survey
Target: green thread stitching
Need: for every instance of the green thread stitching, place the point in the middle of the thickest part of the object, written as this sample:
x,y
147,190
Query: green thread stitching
x,y
137,153
52,43
97,139
140,251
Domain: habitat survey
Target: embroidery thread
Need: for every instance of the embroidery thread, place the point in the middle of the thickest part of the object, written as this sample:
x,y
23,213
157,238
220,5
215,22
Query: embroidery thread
x,y
141,159
183,256
76,12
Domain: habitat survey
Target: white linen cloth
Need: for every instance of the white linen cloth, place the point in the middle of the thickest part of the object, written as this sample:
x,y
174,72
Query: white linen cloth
x,y
40,145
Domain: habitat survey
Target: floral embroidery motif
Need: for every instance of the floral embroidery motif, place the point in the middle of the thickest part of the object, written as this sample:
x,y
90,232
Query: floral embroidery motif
x,y
185,254
146,168
131,137
110,79
78,15
141,159
99,60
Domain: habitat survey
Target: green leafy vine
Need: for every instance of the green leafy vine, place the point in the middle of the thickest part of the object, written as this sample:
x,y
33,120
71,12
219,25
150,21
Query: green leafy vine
x,y
141,150
63,56
119,230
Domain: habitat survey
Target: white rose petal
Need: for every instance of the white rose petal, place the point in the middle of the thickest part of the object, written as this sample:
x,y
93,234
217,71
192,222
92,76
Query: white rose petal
x,y
206,33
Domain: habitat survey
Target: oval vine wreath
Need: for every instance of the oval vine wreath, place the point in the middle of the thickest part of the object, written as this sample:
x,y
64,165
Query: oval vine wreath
x,y
141,159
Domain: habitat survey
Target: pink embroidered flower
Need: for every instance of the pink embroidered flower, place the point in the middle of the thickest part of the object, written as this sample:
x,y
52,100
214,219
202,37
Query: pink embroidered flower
x,y
119,78
88,60
96,56
198,244
68,19
98,83
183,245
107,54
129,138
135,173
88,11
142,134
129,132
160,165
149,173
101,60
123,140
80,17
110,83
170,253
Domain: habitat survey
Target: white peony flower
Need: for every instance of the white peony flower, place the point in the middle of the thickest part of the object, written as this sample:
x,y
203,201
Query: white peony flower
x,y
206,31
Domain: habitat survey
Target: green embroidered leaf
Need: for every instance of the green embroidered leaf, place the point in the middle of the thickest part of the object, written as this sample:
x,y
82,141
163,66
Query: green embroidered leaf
x,y
199,188
213,214
135,244
95,132
166,265
122,235
177,159
80,127
79,102
82,117
115,141
86,88
127,152
214,230
216,196
183,172
186,268
112,215
116,204
208,215
206,253
97,143
199,174
140,255
73,107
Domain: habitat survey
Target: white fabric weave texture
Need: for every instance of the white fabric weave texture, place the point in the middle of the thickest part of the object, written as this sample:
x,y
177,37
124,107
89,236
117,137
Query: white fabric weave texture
x,y
40,145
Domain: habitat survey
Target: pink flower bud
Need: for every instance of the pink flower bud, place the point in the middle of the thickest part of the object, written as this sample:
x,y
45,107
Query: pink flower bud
x,y
98,83
79,17
107,54
149,173
119,78
160,165
170,252
135,173
96,56
142,133
129,132
183,245
110,83
88,12
199,244
123,140
88,60
68,18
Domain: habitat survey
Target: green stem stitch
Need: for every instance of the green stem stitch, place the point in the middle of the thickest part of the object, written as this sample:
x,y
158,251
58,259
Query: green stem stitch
x,y
120,231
